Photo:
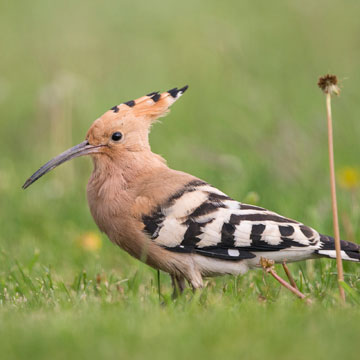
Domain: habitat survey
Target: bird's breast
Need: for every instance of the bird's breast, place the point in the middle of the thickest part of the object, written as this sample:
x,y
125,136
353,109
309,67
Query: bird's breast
x,y
108,204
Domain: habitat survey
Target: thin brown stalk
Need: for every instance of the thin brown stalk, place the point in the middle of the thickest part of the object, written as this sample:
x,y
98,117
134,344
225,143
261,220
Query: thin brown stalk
x,y
328,84
333,198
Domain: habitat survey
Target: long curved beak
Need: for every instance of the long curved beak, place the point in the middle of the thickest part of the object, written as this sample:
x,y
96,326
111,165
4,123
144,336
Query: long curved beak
x,y
81,149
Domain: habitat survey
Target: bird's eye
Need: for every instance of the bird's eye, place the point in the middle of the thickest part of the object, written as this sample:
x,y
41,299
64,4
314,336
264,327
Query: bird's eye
x,y
116,136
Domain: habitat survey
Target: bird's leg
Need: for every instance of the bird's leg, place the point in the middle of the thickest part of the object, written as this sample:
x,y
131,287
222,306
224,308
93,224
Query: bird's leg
x,y
196,281
178,283
288,274
268,266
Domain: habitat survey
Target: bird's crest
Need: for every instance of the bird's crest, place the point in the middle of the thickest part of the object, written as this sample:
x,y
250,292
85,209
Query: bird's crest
x,y
150,106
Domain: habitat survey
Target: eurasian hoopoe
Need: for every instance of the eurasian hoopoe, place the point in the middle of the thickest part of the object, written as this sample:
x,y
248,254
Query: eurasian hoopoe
x,y
174,221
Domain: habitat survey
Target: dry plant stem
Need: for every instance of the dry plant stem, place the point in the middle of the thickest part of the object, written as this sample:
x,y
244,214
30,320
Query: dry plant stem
x,y
288,274
333,198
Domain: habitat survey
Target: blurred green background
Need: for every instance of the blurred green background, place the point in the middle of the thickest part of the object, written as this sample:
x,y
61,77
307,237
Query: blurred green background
x,y
252,123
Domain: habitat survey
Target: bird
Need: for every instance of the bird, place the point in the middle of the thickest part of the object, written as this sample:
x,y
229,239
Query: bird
x,y
174,221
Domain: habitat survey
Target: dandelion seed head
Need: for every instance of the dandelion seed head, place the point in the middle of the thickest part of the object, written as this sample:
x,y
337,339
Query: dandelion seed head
x,y
329,84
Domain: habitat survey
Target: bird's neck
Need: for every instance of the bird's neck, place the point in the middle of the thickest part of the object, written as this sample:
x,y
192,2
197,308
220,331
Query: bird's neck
x,y
124,170
112,188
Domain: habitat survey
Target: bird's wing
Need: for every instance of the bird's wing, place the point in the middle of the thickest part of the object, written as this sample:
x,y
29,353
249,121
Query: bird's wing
x,y
201,219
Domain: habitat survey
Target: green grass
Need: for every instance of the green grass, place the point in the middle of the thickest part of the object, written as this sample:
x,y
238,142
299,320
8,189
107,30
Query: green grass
x,y
252,123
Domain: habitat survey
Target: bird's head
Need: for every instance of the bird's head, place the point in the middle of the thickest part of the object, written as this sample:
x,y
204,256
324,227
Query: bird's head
x,y
124,128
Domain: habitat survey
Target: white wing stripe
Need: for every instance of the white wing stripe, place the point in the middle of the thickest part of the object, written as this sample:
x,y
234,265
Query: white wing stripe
x,y
186,204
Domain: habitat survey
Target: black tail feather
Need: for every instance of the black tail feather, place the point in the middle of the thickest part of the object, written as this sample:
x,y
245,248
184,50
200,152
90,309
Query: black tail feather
x,y
349,251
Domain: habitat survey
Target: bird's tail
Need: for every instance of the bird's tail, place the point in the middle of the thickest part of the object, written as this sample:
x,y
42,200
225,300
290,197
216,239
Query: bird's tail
x,y
349,250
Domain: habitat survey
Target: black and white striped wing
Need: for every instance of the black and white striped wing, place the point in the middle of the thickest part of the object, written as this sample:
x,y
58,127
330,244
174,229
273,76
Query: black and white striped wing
x,y
201,219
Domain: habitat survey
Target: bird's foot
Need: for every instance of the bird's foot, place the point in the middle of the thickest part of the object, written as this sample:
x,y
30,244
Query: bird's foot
x,y
268,266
